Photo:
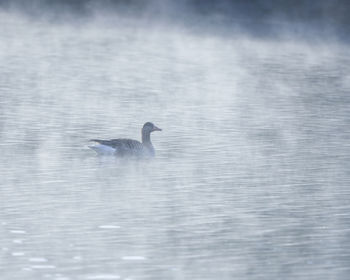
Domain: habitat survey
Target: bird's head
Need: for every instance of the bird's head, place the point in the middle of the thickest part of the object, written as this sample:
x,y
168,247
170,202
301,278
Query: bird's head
x,y
150,127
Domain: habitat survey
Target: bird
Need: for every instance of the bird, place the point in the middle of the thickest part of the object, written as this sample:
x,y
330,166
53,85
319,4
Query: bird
x,y
128,147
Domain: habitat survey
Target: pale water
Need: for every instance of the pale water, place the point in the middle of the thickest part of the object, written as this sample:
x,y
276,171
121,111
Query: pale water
x,y
251,178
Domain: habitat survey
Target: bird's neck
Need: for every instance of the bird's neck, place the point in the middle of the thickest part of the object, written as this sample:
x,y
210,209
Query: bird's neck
x,y
146,138
146,141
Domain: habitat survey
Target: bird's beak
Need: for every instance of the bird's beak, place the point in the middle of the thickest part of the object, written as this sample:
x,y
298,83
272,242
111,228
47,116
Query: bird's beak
x,y
156,129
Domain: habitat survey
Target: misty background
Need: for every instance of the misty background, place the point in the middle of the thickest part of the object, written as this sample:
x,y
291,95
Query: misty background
x,y
327,19
251,174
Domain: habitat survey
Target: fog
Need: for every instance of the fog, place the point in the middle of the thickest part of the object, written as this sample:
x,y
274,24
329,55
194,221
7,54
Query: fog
x,y
251,174
325,19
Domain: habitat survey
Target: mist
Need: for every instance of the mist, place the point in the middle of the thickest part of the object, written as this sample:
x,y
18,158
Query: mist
x,y
327,20
251,174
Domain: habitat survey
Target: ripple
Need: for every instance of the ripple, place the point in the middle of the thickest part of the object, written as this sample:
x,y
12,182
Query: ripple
x,y
43,266
59,276
17,254
108,226
37,260
103,276
27,269
133,258
18,231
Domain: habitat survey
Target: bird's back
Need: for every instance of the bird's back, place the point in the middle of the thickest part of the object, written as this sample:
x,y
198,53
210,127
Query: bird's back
x,y
123,147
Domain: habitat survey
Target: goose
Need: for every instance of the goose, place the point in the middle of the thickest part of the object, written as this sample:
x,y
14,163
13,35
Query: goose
x,y
127,147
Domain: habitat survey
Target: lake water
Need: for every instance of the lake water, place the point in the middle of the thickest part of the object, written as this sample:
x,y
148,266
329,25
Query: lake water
x,y
251,178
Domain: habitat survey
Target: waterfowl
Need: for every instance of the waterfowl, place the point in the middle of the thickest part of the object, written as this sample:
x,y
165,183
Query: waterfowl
x,y
128,147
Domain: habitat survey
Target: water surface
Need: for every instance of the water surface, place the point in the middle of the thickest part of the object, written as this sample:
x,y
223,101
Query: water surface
x,y
251,178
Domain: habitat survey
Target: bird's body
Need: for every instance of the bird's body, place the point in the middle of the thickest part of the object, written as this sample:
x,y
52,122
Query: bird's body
x,y
128,147
120,147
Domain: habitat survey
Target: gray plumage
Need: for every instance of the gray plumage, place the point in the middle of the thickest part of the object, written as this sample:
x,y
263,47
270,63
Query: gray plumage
x,y
128,147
